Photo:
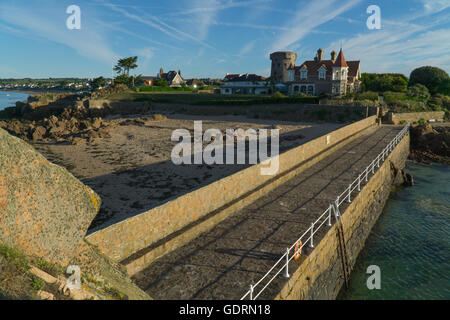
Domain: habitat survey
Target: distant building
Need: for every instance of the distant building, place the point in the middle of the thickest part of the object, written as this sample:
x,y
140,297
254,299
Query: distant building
x,y
335,76
148,81
245,84
173,78
282,61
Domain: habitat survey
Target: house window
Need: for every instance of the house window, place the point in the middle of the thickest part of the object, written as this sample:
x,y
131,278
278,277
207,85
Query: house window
x,y
304,74
322,74
310,90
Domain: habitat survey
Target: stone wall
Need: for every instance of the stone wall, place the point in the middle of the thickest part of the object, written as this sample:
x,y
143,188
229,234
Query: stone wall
x,y
396,118
174,223
44,210
320,274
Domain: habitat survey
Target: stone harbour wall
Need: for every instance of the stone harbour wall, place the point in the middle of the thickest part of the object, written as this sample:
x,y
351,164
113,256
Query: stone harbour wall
x,y
320,275
396,118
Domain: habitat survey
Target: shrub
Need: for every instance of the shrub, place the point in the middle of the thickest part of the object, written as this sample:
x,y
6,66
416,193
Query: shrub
x,y
278,95
419,91
431,77
369,95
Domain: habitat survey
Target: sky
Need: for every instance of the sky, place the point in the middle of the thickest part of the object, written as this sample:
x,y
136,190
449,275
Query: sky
x,y
209,38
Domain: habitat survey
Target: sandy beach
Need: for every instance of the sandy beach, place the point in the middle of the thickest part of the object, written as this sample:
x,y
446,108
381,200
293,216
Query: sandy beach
x,y
132,170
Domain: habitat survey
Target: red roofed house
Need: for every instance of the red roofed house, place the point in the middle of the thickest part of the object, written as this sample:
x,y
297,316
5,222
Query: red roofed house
x,y
336,76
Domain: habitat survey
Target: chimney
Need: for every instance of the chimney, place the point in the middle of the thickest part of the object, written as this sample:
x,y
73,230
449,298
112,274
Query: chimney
x,y
320,54
179,72
333,56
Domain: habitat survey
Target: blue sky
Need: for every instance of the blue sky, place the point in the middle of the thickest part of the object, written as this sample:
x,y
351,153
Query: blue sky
x,y
208,38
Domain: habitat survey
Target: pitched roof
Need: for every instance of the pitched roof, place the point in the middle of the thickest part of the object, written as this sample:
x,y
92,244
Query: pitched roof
x,y
340,61
313,66
244,77
353,67
169,76
231,76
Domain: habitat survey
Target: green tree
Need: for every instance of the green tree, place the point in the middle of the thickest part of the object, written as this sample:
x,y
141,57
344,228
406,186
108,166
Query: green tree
x,y
419,91
431,77
161,83
444,87
383,82
124,65
98,82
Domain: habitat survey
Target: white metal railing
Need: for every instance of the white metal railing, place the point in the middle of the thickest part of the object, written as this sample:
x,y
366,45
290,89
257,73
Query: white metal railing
x,y
283,263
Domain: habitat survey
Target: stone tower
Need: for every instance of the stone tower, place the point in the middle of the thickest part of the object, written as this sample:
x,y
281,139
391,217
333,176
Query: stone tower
x,y
281,62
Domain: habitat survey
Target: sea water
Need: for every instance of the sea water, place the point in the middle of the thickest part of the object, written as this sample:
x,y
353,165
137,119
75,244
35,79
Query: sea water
x,y
8,99
410,242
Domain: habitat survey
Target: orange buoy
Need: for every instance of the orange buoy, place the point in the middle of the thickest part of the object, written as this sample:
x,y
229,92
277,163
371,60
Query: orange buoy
x,y
298,250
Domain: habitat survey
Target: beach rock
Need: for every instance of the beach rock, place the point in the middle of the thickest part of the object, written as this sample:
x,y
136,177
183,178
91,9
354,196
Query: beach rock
x,y
78,141
38,133
96,123
44,210
430,143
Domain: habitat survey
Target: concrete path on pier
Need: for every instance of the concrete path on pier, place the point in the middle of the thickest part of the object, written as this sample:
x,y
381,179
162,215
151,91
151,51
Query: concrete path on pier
x,y
223,262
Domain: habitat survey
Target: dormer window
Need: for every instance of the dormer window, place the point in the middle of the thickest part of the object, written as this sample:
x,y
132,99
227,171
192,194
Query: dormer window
x,y
322,73
304,73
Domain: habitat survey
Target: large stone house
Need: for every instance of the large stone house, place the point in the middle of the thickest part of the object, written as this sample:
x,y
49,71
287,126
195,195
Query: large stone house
x,y
245,84
173,78
336,76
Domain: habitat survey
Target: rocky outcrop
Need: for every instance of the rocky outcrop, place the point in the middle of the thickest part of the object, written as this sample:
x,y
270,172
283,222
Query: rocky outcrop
x,y
401,177
430,143
44,210
104,92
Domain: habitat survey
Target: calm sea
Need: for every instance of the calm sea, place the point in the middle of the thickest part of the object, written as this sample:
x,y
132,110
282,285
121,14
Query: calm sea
x,y
8,99
410,242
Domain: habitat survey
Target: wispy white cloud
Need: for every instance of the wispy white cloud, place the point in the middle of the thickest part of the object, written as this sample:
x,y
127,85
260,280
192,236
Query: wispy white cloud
x,y
247,48
89,42
310,16
216,5
435,6
156,23
115,27
204,13
400,47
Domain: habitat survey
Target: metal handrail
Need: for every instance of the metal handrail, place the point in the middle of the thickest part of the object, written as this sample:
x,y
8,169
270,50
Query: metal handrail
x,y
343,197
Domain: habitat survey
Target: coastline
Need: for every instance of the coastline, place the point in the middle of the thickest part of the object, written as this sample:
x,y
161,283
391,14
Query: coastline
x,y
35,91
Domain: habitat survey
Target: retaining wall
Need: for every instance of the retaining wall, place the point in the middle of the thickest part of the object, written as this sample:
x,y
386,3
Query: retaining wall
x,y
141,239
396,118
320,275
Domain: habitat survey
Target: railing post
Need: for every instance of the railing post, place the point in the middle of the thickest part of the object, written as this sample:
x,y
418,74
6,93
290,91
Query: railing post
x,y
349,193
329,216
311,242
359,183
286,274
373,167
378,161
251,292
367,174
